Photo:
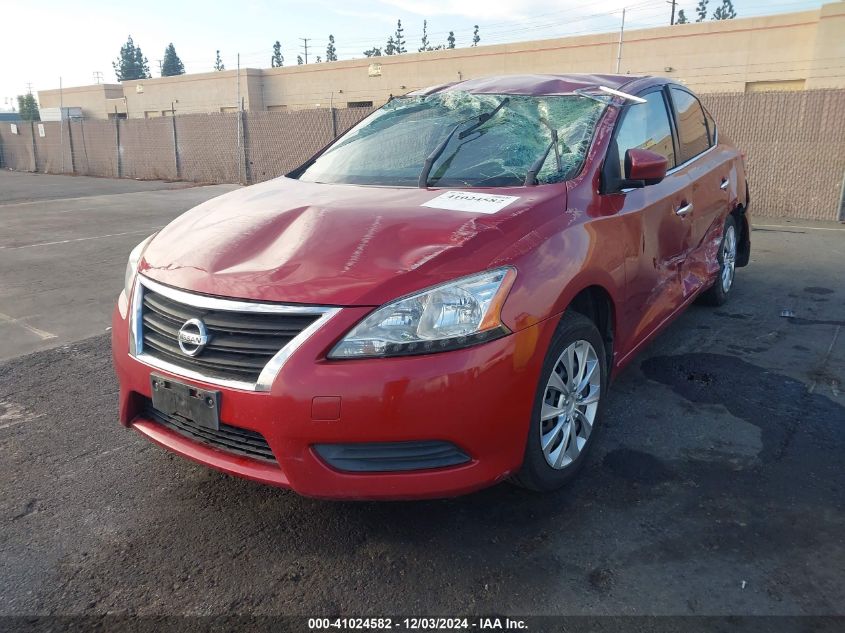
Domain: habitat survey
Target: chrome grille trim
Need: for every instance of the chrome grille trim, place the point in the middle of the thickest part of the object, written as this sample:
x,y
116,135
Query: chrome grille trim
x,y
271,369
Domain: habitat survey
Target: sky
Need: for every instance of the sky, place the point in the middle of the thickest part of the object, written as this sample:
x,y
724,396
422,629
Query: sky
x,y
72,40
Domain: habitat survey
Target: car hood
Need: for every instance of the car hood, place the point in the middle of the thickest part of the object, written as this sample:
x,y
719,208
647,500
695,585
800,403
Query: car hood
x,y
297,242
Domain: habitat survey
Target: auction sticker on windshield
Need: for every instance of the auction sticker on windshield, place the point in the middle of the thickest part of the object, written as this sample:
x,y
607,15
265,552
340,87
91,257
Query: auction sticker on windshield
x,y
471,202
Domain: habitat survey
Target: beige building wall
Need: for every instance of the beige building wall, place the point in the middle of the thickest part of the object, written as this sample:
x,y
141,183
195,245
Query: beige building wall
x,y
792,51
714,56
92,99
829,47
189,94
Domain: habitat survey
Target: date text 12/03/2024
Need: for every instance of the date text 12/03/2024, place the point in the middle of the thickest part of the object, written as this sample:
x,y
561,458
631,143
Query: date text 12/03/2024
x,y
421,623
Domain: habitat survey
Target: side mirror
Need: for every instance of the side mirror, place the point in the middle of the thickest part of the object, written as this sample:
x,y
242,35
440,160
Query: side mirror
x,y
644,166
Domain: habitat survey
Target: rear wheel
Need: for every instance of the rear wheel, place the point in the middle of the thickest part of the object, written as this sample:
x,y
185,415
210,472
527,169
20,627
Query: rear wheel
x,y
567,405
718,293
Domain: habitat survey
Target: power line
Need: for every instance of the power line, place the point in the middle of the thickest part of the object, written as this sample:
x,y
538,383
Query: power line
x,y
523,29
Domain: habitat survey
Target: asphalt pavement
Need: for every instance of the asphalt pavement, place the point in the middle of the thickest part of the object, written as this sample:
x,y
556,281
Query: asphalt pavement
x,y
716,487
64,241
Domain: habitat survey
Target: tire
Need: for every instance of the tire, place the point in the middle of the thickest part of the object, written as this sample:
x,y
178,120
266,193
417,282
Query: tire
x,y
718,293
560,462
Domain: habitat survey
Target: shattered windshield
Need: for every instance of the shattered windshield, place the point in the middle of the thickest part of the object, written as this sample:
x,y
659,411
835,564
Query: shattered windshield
x,y
470,140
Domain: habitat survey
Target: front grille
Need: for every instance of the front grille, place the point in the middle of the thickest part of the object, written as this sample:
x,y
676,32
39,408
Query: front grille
x,y
231,439
240,343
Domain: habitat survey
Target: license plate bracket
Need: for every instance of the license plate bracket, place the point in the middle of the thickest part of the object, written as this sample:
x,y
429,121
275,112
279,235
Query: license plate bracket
x,y
173,398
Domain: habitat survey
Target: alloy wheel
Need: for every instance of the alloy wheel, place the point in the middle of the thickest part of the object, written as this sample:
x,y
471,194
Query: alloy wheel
x,y
570,404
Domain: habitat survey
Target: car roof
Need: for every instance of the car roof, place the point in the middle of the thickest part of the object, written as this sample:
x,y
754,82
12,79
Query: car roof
x,y
539,85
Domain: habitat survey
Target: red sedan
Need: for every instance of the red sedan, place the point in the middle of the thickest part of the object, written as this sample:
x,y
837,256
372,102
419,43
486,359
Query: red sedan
x,y
438,300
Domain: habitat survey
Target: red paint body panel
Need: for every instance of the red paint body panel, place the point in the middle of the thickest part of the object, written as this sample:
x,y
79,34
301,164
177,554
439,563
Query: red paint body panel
x,y
534,85
299,242
646,165
395,399
359,247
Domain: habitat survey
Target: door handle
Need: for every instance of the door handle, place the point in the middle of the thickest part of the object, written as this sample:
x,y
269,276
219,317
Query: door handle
x,y
684,210
725,184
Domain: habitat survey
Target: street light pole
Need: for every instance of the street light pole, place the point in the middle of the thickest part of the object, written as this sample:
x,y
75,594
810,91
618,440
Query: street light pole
x,y
621,33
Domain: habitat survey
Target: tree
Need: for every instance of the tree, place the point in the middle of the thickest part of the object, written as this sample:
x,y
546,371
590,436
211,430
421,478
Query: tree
x,y
218,63
450,40
331,51
131,64
375,51
171,64
390,49
725,12
424,41
701,10
398,40
299,61
277,60
28,108
476,38
682,19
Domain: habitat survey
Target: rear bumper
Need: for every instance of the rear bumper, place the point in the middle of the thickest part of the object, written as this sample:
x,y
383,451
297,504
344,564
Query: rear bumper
x,y
477,399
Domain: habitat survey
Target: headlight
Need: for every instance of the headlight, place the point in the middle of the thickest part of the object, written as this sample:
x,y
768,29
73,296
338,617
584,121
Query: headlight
x,y
450,316
132,265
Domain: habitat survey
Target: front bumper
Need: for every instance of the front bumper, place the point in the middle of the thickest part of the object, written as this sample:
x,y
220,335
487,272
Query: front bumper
x,y
478,399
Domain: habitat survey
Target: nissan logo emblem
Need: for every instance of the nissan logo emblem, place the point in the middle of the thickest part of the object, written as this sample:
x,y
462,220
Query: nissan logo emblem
x,y
192,337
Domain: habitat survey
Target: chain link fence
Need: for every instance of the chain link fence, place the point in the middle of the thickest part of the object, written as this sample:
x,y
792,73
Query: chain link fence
x,y
795,149
794,142
229,147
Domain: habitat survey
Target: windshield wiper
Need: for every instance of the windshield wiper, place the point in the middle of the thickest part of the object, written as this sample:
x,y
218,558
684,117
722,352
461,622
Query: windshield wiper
x,y
531,176
483,118
435,154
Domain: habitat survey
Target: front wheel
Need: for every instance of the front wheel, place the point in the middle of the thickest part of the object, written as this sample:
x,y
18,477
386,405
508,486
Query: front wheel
x,y
718,293
567,405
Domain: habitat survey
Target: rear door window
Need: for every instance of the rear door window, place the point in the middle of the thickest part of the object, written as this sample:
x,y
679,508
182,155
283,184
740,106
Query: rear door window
x,y
646,126
692,127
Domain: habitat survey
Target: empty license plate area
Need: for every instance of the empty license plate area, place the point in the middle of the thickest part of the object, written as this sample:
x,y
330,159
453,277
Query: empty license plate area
x,y
174,398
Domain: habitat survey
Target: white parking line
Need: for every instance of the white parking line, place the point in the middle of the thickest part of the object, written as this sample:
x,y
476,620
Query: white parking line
x,y
797,226
79,239
44,336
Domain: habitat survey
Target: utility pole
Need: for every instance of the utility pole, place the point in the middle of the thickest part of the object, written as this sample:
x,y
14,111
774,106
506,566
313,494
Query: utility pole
x,y
305,46
98,76
673,3
621,34
159,66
